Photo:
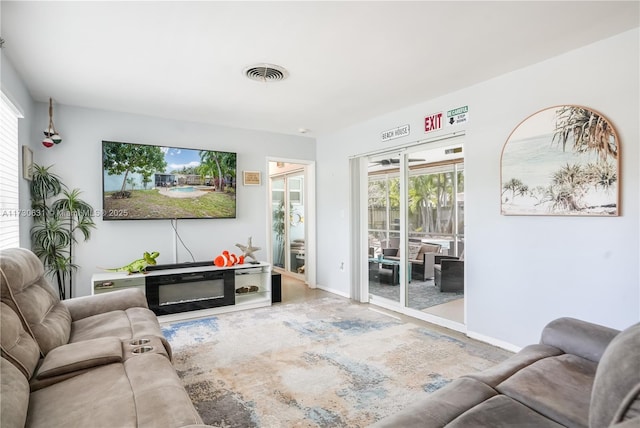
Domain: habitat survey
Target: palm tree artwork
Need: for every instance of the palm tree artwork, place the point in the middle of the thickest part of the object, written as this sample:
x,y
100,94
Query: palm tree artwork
x,y
563,160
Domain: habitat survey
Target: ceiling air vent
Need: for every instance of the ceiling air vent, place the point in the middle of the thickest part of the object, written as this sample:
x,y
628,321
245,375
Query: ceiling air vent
x,y
266,73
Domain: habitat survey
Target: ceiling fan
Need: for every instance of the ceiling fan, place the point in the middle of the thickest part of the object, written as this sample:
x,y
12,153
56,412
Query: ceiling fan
x,y
392,161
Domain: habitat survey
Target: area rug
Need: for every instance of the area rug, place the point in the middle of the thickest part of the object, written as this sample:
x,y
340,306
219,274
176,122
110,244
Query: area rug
x,y
327,362
421,294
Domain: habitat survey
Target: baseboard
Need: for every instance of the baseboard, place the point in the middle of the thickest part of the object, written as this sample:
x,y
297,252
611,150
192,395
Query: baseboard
x,y
433,319
453,325
334,291
442,322
495,342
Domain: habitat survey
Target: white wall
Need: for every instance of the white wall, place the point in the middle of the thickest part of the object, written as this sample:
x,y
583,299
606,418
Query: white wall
x,y
521,272
115,243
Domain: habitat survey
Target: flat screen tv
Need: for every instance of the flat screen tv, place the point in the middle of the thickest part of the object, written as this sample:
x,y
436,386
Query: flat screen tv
x,y
147,182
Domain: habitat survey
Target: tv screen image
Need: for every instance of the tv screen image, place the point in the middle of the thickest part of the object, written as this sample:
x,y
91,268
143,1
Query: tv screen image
x,y
147,182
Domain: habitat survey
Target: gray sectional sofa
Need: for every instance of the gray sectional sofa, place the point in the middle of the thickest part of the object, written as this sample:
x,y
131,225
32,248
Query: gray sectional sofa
x,y
96,361
579,375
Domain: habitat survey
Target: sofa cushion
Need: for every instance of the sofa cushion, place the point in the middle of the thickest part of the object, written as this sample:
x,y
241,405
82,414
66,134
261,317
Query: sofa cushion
x,y
17,345
502,411
14,390
616,388
441,407
556,387
116,300
160,397
26,290
133,323
144,391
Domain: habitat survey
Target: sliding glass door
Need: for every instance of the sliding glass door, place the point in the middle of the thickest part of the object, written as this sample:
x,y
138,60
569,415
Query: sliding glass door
x,y
415,216
384,259
435,227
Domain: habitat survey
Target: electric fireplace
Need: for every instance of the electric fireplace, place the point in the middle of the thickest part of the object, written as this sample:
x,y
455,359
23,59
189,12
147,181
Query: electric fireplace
x,y
182,292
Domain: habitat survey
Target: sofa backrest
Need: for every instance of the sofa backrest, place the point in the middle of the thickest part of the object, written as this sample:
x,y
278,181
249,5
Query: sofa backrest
x,y
615,396
428,248
416,251
16,345
24,288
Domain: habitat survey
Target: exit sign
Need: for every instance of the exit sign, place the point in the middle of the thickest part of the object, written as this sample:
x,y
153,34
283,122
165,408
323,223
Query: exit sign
x,y
433,122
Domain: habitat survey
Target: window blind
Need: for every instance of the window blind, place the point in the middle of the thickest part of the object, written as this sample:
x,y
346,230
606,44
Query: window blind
x,y
9,173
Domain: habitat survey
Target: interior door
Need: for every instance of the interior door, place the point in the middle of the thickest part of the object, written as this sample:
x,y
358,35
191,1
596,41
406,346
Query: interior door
x,y
288,222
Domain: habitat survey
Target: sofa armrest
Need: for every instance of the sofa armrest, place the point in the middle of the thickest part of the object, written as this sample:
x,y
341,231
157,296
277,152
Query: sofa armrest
x,y
119,300
79,356
451,262
577,337
440,257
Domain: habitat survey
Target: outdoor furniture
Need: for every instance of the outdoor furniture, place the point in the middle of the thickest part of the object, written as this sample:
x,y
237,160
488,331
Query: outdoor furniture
x,y
385,271
418,255
431,260
449,274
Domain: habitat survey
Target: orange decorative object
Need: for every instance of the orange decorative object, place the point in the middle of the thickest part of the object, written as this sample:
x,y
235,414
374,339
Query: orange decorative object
x,y
228,259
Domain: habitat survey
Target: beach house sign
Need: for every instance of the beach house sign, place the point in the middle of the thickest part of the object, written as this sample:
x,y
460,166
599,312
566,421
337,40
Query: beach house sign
x,y
398,132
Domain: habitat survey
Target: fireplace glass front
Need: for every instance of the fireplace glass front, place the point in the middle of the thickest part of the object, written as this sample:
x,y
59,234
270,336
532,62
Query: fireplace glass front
x,y
181,292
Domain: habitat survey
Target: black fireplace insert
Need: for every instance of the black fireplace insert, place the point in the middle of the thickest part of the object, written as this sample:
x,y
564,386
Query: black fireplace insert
x,y
183,292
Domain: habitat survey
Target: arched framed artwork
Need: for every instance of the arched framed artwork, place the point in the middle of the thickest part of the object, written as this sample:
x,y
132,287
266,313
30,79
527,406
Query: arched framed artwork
x,y
563,160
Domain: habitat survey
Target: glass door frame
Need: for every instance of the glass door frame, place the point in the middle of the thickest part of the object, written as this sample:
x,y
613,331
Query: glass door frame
x,y
309,194
286,239
402,246
360,232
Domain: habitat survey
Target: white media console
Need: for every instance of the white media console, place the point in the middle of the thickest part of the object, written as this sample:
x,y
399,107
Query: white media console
x,y
193,290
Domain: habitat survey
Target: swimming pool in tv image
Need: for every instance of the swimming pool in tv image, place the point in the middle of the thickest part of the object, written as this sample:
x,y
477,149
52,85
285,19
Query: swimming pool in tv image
x,y
155,182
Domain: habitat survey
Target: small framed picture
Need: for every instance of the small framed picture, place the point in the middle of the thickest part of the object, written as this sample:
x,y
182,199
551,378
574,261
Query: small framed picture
x,y
251,178
27,163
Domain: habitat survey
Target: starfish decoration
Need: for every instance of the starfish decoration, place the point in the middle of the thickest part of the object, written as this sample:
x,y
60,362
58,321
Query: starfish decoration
x,y
248,250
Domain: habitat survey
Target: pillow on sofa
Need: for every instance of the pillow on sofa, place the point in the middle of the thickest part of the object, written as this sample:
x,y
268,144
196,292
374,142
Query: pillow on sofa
x,y
428,248
17,346
26,290
414,249
615,396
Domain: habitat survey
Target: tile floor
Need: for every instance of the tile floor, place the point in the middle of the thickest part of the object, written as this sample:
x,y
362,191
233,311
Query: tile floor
x,y
295,290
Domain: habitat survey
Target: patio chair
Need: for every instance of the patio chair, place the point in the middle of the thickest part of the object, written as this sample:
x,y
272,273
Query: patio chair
x,y
449,274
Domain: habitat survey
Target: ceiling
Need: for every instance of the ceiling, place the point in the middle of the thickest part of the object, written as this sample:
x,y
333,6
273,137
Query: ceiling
x,y
348,61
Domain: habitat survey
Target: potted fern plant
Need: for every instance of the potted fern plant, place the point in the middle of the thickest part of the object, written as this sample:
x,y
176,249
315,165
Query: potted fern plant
x,y
59,214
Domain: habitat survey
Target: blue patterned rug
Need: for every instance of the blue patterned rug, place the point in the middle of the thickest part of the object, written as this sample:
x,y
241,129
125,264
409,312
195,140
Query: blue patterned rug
x,y
322,363
421,294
